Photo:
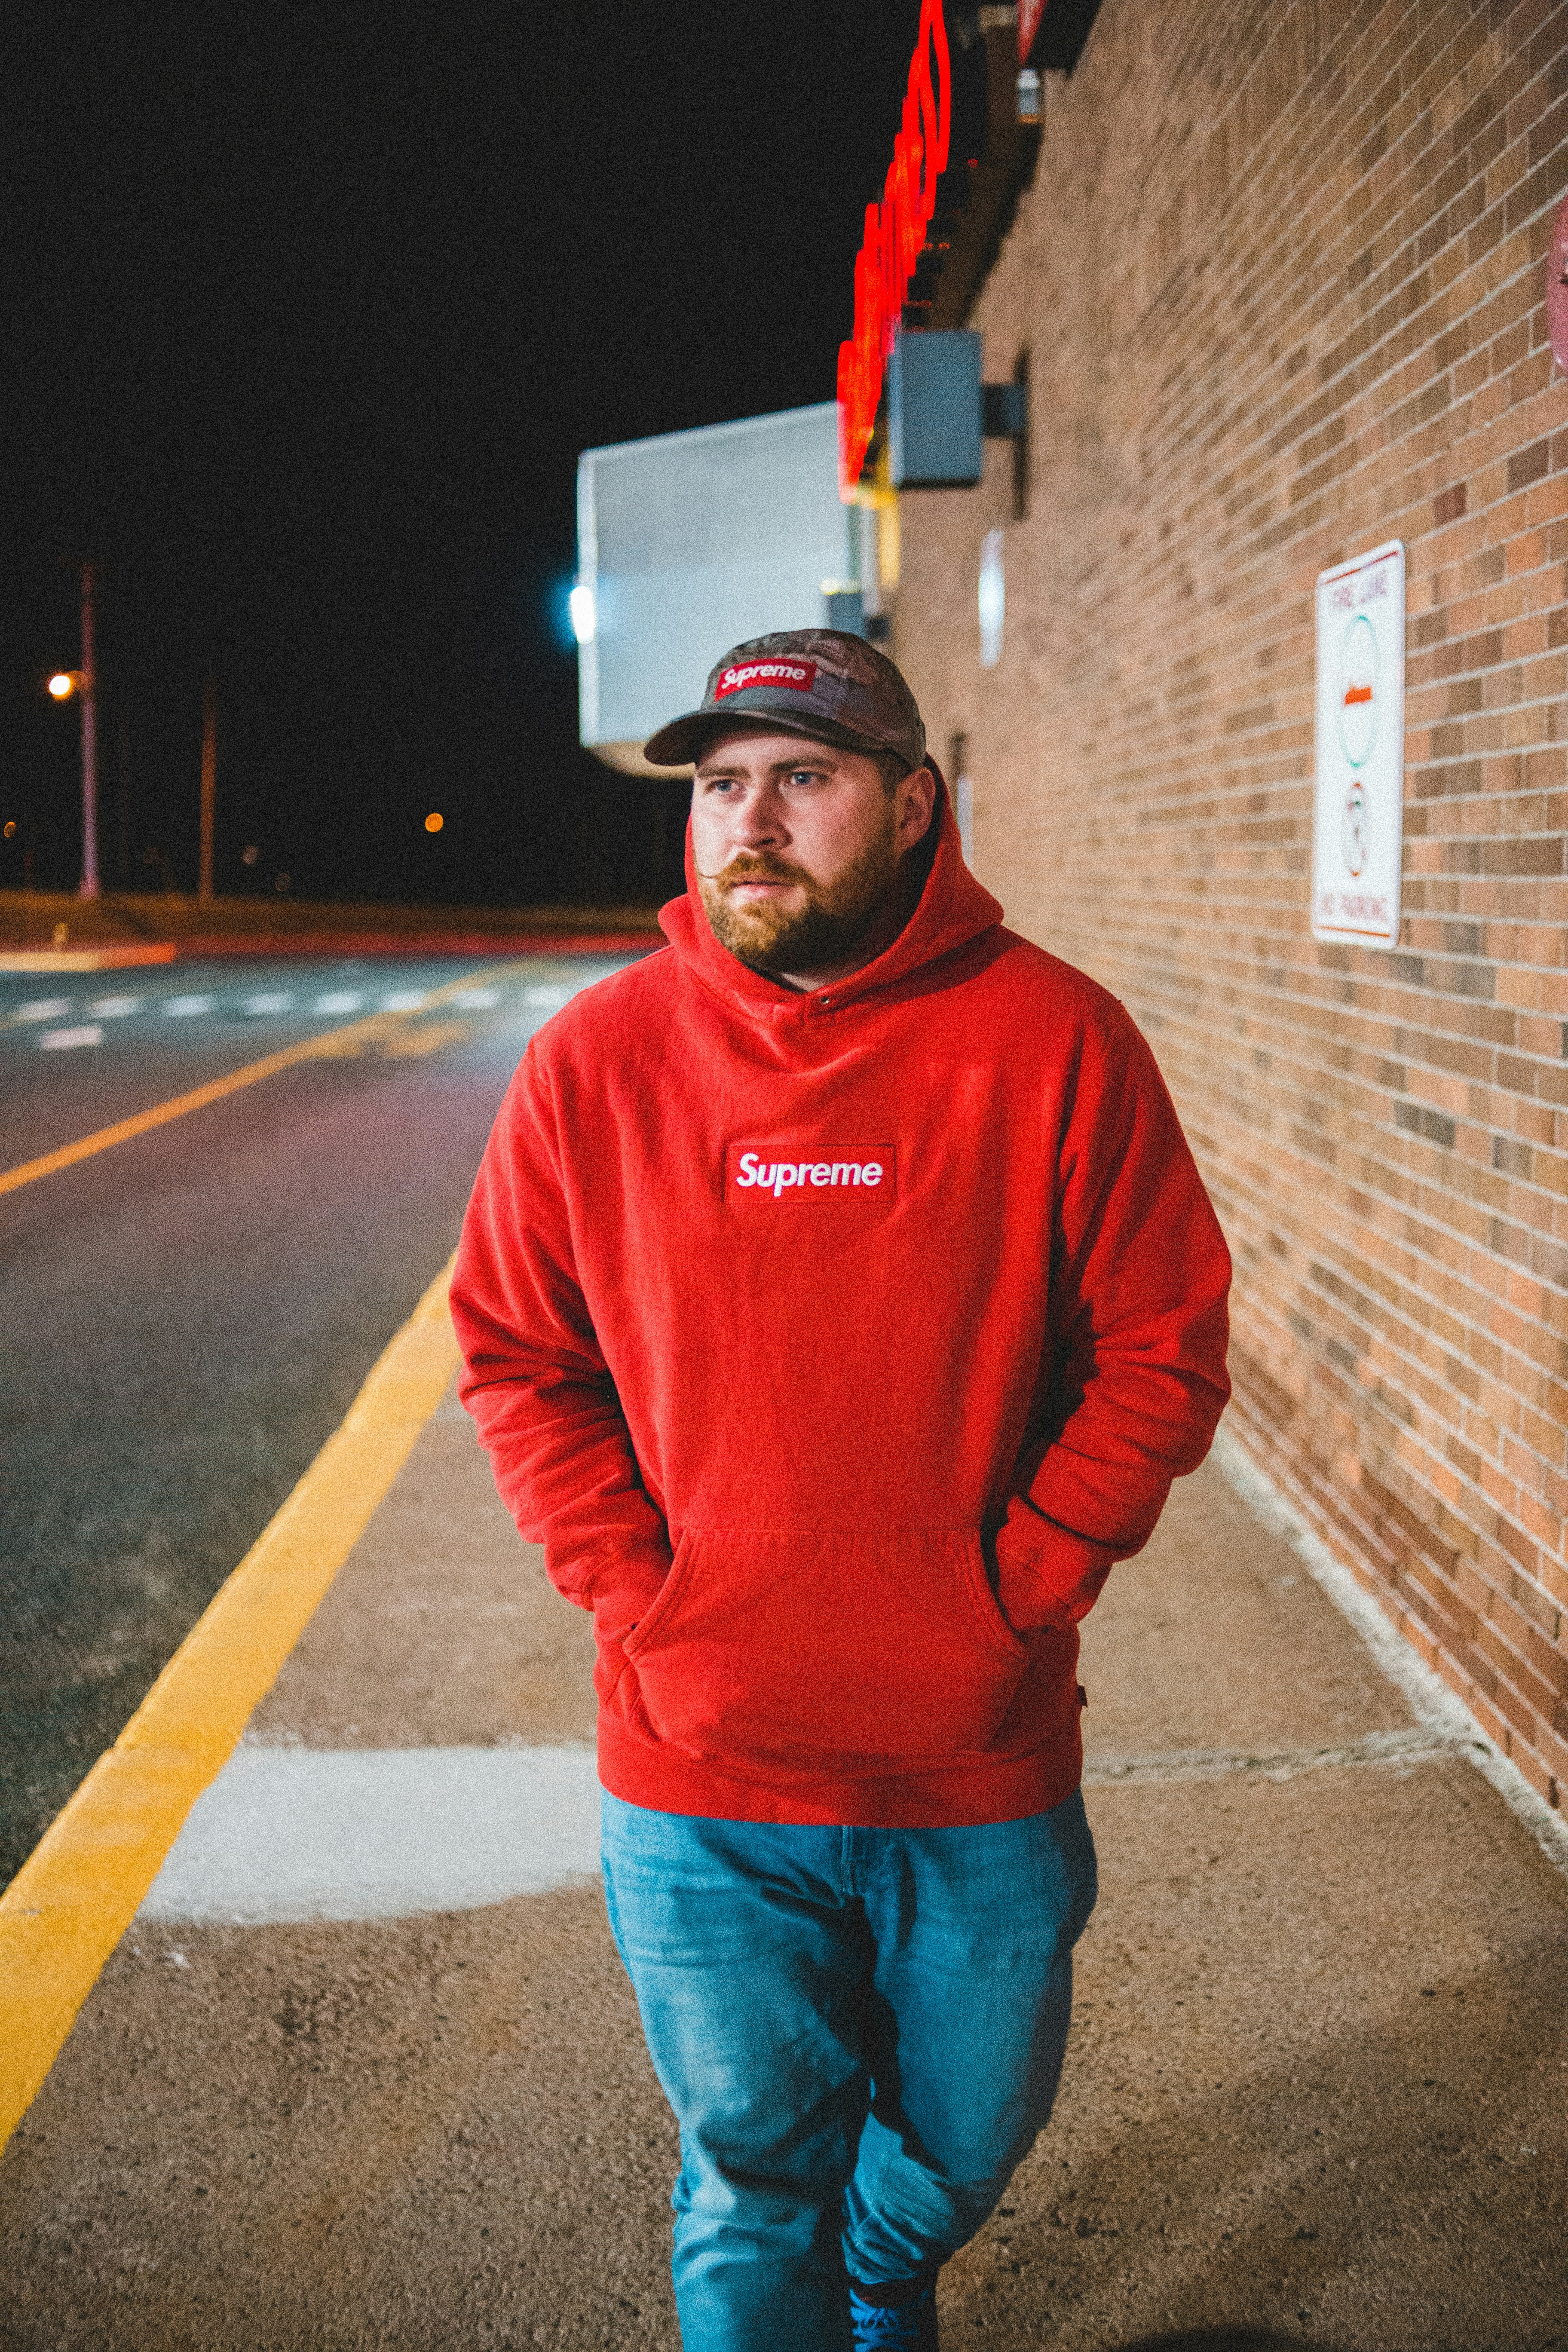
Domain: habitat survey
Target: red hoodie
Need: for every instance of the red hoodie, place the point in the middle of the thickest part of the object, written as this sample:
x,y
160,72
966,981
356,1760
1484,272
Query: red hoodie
x,y
834,1346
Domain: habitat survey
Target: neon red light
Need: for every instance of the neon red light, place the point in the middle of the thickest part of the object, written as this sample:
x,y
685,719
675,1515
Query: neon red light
x,y
1029,15
895,235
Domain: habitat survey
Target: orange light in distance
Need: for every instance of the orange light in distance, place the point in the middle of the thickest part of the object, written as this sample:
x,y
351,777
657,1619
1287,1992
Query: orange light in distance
x,y
61,685
435,820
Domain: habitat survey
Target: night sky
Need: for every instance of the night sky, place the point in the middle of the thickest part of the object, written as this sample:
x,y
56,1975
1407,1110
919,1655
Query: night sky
x,y
307,314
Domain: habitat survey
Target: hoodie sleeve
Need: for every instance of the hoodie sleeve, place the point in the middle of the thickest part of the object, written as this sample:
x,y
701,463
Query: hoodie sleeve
x,y
1136,1381
534,1377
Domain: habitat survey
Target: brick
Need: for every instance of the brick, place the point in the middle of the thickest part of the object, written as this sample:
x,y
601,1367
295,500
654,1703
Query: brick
x,y
1386,1135
1416,1121
1542,855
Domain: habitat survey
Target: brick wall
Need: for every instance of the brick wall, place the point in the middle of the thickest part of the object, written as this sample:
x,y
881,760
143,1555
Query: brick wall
x,y
1280,280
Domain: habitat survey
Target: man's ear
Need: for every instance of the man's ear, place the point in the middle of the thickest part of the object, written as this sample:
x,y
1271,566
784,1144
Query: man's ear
x,y
917,804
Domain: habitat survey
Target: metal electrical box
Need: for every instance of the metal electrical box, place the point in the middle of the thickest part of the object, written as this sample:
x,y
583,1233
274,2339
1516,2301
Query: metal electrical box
x,y
688,542
935,422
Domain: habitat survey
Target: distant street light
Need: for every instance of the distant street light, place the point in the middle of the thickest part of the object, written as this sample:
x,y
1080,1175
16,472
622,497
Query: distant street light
x,y
84,681
87,681
435,820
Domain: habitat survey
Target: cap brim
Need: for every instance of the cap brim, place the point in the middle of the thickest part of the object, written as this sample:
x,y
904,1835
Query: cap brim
x,y
686,738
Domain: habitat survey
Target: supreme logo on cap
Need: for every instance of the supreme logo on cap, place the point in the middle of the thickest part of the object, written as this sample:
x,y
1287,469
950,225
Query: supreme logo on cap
x,y
798,676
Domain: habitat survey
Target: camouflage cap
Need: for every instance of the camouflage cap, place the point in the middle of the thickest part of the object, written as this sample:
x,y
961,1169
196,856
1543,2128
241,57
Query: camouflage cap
x,y
822,683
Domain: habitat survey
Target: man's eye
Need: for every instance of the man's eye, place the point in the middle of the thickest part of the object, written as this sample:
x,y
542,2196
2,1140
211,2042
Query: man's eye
x,y
805,775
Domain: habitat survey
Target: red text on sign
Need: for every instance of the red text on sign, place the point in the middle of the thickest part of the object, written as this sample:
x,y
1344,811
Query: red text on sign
x,y
895,234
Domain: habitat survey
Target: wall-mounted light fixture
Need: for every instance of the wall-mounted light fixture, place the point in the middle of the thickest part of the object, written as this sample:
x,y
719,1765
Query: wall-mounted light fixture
x,y
993,598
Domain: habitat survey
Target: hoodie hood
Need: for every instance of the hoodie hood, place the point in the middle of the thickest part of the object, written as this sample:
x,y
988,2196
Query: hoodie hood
x,y
952,909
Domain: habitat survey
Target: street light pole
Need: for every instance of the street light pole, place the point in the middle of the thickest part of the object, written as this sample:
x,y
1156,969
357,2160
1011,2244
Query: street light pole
x,y
209,793
89,739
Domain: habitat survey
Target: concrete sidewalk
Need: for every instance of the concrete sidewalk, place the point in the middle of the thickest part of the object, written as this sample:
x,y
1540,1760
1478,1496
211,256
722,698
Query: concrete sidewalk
x,y
1317,2095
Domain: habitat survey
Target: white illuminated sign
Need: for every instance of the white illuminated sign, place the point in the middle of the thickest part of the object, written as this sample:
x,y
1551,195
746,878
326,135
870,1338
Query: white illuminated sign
x,y
687,543
1358,825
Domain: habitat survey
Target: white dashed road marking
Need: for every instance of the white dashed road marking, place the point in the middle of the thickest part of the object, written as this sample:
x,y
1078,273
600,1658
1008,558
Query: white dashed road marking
x,y
60,1041
257,1006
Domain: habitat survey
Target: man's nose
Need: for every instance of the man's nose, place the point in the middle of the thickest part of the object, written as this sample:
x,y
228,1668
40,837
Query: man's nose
x,y
759,823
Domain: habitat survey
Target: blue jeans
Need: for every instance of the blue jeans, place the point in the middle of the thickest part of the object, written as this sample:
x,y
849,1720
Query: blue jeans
x,y
860,2031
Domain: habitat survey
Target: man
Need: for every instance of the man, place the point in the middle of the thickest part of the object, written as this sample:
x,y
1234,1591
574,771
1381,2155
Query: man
x,y
839,1299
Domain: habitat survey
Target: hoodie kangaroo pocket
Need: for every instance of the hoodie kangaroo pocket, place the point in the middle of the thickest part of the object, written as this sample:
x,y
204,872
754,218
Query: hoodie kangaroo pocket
x,y
804,1646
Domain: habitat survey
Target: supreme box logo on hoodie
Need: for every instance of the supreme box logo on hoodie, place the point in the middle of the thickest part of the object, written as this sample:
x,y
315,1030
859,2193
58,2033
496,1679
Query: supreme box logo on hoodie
x,y
767,1173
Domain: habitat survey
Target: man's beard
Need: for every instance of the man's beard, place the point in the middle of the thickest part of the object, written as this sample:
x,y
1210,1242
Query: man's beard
x,y
835,918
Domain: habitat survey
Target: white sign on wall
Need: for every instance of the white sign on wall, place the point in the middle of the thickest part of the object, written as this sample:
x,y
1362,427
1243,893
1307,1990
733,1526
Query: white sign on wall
x,y
1358,815
686,544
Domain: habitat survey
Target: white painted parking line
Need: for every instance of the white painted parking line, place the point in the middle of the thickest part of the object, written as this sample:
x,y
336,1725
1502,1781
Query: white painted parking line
x,y
256,1005
552,997
294,1834
181,1008
60,1041
286,1834
477,1000
114,1008
340,1001
403,1000
45,1008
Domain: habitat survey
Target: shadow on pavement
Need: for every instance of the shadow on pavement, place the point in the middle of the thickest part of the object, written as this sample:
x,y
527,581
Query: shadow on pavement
x,y
1299,2141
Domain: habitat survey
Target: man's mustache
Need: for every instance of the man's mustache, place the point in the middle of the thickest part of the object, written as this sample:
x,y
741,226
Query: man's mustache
x,y
743,867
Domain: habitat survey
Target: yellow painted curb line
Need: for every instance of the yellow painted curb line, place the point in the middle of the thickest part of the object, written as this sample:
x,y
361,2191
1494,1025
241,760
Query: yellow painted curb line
x,y
77,1893
329,1044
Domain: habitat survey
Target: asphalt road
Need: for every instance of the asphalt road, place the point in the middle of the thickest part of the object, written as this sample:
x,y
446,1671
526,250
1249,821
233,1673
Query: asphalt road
x,y
189,1314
